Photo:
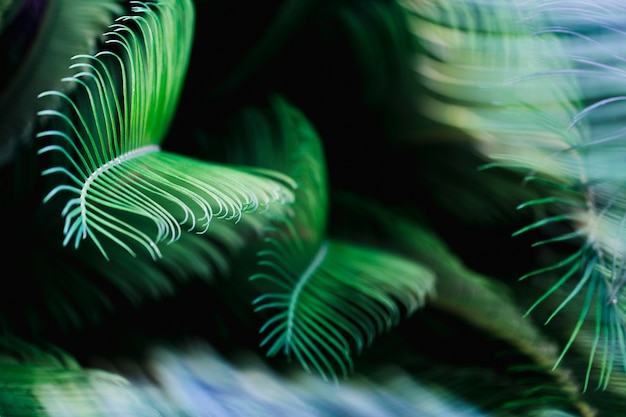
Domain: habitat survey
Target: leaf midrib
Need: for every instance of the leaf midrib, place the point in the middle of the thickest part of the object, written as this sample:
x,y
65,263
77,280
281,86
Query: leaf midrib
x,y
135,153
295,295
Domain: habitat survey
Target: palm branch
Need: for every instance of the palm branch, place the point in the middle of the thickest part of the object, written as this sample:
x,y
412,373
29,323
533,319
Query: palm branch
x,y
484,303
533,84
118,183
344,298
319,298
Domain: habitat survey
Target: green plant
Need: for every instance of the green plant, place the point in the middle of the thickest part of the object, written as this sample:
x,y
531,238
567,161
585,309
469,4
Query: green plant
x,y
336,192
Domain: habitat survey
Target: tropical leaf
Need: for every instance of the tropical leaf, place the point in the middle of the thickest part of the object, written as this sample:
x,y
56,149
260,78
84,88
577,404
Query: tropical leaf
x,y
304,280
483,303
591,364
346,297
326,297
119,185
95,290
538,84
276,137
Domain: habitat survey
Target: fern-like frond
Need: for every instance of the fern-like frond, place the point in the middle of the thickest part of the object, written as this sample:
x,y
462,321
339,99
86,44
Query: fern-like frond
x,y
541,86
95,289
320,298
482,301
347,296
120,187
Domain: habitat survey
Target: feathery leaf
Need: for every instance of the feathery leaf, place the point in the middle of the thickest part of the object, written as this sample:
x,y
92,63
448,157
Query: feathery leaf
x,y
325,297
122,188
482,301
308,285
539,84
346,297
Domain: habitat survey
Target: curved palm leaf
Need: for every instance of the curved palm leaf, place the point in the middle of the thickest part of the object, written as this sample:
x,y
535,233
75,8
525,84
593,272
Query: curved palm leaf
x,y
608,398
346,297
122,187
482,301
317,295
323,297
539,84
95,289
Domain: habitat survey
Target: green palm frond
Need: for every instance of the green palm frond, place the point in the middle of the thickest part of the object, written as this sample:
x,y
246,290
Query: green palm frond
x,y
120,186
485,303
347,296
324,298
275,137
302,277
95,290
592,365
539,85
